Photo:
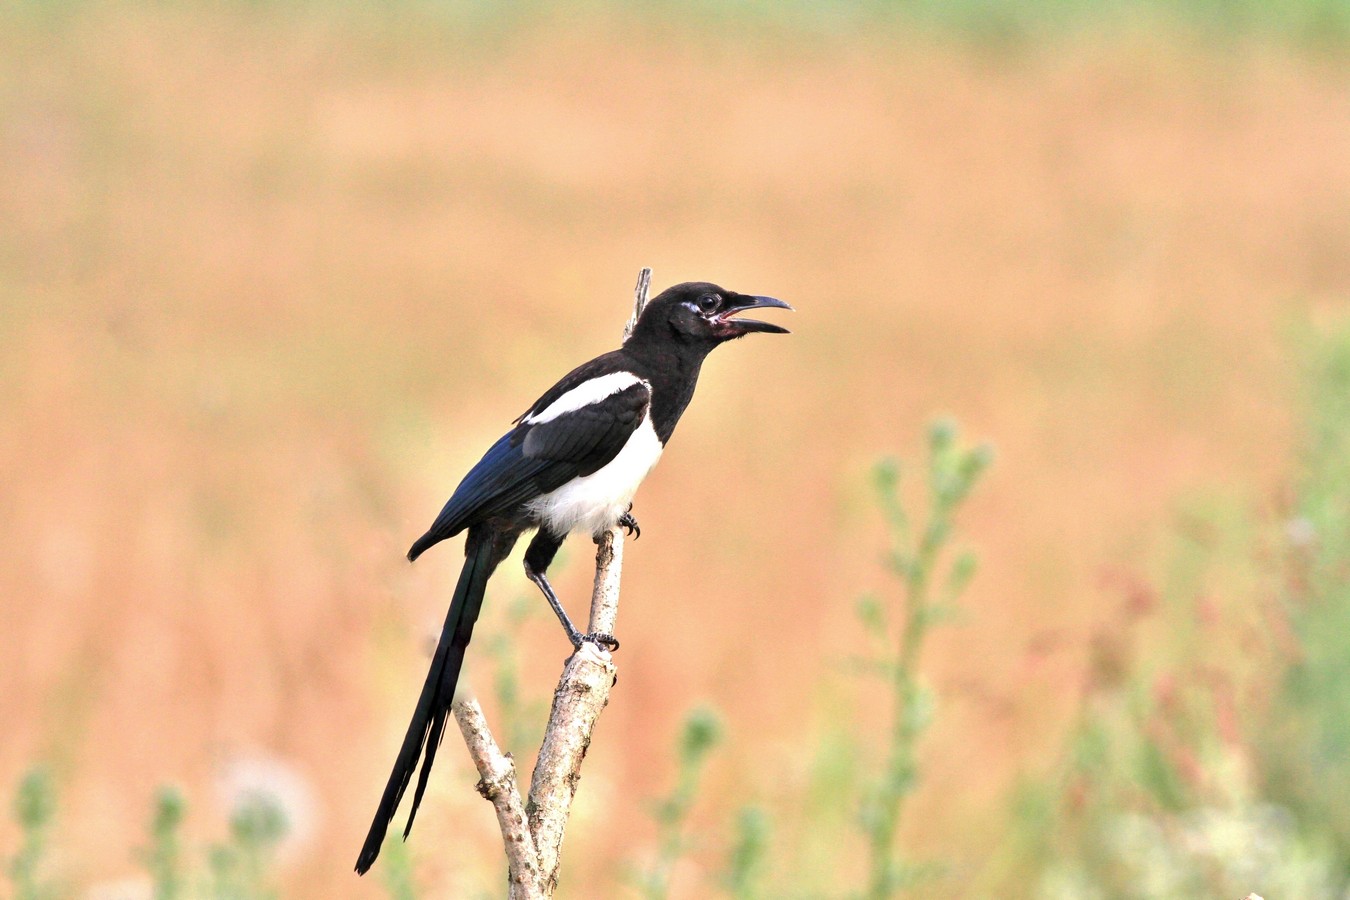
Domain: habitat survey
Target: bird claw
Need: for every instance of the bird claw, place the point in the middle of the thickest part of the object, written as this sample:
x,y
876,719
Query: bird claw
x,y
630,525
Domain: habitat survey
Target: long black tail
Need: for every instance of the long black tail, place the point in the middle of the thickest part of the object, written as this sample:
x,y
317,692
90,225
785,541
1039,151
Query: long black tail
x,y
433,706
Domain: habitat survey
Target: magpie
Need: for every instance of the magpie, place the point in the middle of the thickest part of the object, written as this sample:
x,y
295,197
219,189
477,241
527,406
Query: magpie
x,y
572,462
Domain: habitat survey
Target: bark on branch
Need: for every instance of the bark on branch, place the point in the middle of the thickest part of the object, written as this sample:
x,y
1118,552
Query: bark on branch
x,y
497,784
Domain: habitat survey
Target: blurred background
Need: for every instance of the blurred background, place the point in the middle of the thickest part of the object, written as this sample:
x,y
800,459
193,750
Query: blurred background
x,y
273,275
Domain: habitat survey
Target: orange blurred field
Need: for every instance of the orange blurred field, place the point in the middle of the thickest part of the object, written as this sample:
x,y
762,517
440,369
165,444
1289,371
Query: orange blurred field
x,y
271,281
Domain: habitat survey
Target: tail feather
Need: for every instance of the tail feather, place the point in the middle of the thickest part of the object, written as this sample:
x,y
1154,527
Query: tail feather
x,y
433,705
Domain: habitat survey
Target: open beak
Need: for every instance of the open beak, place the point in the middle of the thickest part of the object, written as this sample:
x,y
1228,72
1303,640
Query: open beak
x,y
745,326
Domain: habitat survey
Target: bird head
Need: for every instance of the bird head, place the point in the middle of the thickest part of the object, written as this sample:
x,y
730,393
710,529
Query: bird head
x,y
702,313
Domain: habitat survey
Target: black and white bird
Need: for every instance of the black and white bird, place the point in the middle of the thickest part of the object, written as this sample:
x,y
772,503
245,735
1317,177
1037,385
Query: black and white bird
x,y
572,462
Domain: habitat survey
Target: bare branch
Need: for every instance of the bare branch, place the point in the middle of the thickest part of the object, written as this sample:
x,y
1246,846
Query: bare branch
x,y
639,301
605,594
581,695
497,784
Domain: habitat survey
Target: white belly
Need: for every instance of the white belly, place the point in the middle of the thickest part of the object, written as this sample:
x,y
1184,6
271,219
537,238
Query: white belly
x,y
596,501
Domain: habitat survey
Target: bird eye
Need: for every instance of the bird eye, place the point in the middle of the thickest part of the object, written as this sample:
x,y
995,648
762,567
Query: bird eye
x,y
708,302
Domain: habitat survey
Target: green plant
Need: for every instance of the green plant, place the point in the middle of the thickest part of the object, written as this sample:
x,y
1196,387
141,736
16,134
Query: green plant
x,y
34,810
1305,740
164,857
927,596
701,732
239,867
1208,756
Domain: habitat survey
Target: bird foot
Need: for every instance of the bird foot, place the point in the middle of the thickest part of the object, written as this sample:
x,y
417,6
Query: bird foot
x,y
630,525
607,641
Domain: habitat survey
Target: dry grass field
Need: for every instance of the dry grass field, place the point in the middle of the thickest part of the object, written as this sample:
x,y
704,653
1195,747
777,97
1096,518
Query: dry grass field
x,y
270,280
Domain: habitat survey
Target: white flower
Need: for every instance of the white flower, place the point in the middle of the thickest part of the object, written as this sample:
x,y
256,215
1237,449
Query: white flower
x,y
246,781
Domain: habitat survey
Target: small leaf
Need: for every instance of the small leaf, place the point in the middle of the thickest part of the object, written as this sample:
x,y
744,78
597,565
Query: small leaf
x,y
936,535
872,614
35,804
937,613
886,475
702,730
963,569
979,459
920,708
170,807
942,435
901,780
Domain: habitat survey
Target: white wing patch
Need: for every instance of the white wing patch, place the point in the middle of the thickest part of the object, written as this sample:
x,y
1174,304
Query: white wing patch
x,y
596,501
584,394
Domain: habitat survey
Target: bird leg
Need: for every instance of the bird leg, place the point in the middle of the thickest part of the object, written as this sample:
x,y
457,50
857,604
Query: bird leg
x,y
537,558
541,581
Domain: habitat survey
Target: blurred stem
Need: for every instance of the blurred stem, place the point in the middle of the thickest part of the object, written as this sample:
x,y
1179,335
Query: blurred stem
x,y
745,868
398,875
701,732
952,473
165,858
519,715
